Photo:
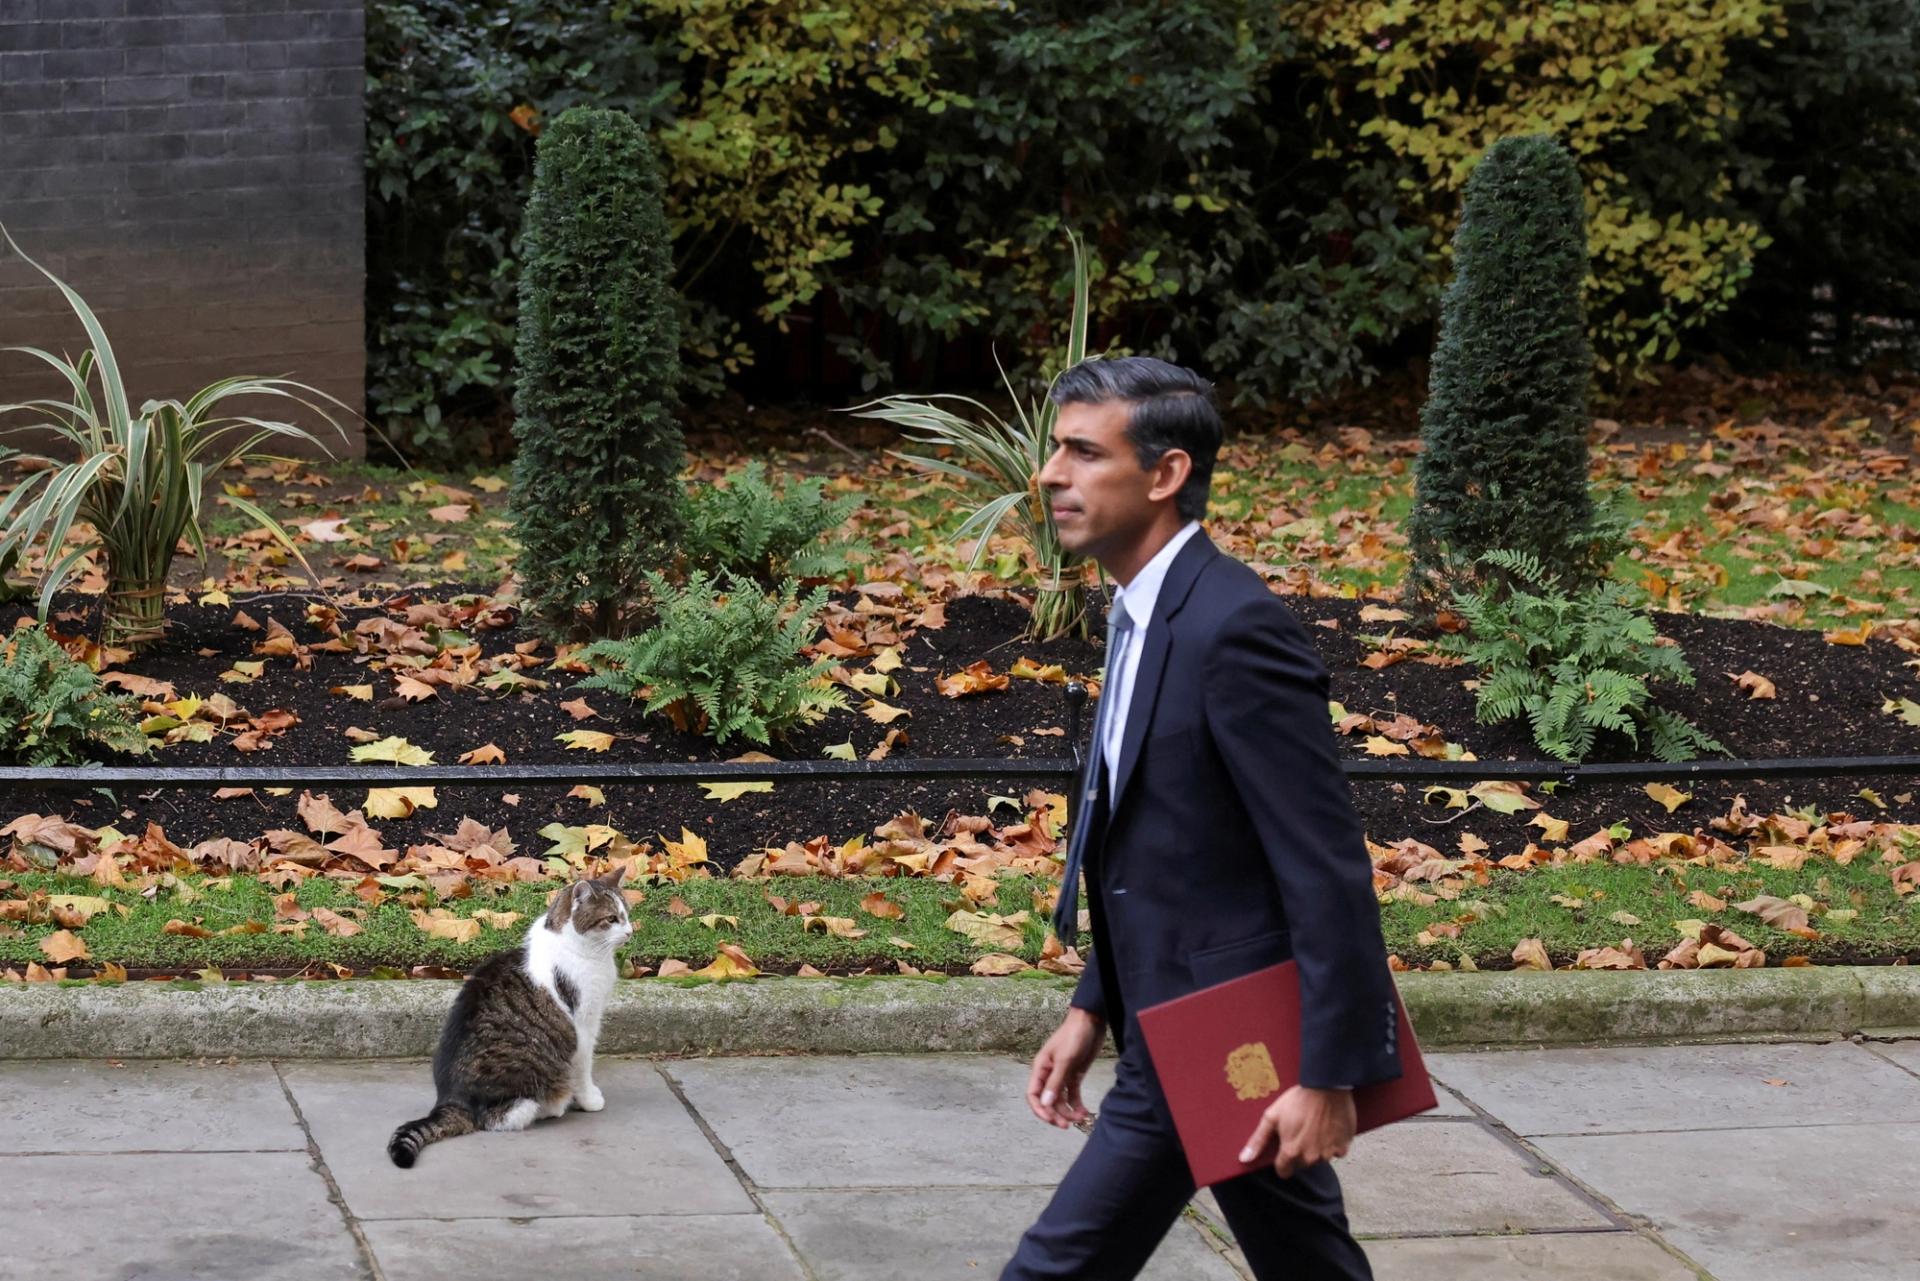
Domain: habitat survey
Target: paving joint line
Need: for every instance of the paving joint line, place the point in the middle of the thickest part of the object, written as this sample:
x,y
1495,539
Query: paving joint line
x,y
320,1167
1504,1134
747,1185
1874,1049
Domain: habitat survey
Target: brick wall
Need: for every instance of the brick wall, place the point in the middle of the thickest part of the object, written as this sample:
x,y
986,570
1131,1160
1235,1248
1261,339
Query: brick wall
x,y
194,170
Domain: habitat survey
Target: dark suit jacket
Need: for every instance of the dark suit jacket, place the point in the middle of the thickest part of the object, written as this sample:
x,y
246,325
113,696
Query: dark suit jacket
x,y
1230,841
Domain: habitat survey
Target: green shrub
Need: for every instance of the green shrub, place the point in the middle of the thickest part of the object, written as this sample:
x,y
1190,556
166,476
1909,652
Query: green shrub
x,y
999,462
1504,430
749,528
1840,280
1574,666
135,478
723,663
596,479
53,710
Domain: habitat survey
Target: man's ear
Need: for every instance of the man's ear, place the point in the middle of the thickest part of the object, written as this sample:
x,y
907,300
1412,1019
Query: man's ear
x,y
1170,473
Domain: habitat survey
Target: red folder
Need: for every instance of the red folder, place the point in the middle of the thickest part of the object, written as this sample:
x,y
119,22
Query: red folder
x,y
1226,1052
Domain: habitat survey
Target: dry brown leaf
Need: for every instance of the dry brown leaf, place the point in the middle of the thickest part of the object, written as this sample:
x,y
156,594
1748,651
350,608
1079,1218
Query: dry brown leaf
x,y
1777,912
1531,954
878,904
63,946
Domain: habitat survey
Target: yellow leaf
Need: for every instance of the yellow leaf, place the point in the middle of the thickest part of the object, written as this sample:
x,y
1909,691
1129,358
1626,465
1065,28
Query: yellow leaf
x,y
731,791
875,684
399,802
62,946
1001,933
358,693
1502,797
1756,685
1455,797
1690,928
686,852
588,740
590,794
839,926
839,751
729,963
887,660
242,673
881,712
495,920
487,484
1027,669
1552,830
1666,794
1381,745
441,924
215,598
396,750
1906,709
712,920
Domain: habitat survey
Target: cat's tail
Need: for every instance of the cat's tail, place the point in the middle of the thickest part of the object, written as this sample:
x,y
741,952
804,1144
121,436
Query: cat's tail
x,y
444,1122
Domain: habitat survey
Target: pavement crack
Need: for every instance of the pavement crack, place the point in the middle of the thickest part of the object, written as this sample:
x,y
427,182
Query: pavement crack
x,y
333,1187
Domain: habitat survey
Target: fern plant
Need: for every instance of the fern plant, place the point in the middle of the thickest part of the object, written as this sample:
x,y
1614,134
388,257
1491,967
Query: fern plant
x,y
1574,666
747,527
53,710
723,663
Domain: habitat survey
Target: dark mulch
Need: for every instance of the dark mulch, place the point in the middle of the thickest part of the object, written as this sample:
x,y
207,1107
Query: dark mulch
x,y
1828,704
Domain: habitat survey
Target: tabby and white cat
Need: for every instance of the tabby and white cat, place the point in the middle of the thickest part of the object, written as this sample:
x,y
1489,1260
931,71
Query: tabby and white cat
x,y
518,1043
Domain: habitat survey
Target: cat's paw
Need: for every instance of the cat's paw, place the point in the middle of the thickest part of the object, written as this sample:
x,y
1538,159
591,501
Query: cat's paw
x,y
589,1099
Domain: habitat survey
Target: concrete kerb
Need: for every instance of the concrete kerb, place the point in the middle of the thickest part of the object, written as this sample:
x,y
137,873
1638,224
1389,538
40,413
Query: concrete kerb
x,y
374,1019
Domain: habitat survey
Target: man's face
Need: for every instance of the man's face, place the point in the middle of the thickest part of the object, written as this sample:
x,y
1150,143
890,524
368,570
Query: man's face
x,y
1103,501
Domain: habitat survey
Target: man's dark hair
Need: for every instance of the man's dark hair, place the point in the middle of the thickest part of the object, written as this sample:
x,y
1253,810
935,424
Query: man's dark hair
x,y
1168,407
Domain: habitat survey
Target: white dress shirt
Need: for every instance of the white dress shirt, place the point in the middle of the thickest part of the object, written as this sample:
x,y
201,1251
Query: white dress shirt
x,y
1139,597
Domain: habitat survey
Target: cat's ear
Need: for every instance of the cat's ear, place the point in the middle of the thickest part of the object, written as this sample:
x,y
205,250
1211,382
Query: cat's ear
x,y
560,911
612,879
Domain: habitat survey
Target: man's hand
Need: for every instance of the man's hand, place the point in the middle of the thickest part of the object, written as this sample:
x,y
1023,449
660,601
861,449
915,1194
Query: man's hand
x,y
1313,1126
1053,1089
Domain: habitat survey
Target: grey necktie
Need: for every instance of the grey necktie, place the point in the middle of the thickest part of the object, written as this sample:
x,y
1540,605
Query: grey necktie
x,y
1066,913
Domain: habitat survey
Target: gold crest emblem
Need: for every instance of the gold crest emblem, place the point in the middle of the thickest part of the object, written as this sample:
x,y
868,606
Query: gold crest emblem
x,y
1250,1072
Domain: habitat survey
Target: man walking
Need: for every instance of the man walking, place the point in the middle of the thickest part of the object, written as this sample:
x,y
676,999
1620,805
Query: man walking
x,y
1218,837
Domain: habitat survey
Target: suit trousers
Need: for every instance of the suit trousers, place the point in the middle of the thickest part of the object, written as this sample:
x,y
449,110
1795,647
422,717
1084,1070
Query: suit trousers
x,y
1131,1183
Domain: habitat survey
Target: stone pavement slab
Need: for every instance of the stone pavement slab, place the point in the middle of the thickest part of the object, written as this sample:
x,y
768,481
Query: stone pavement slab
x,y
642,1155
1453,1176
61,1106
1562,1256
873,1235
877,1121
1823,1203
1904,1053
1683,1087
686,1247
190,1216
1447,1177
